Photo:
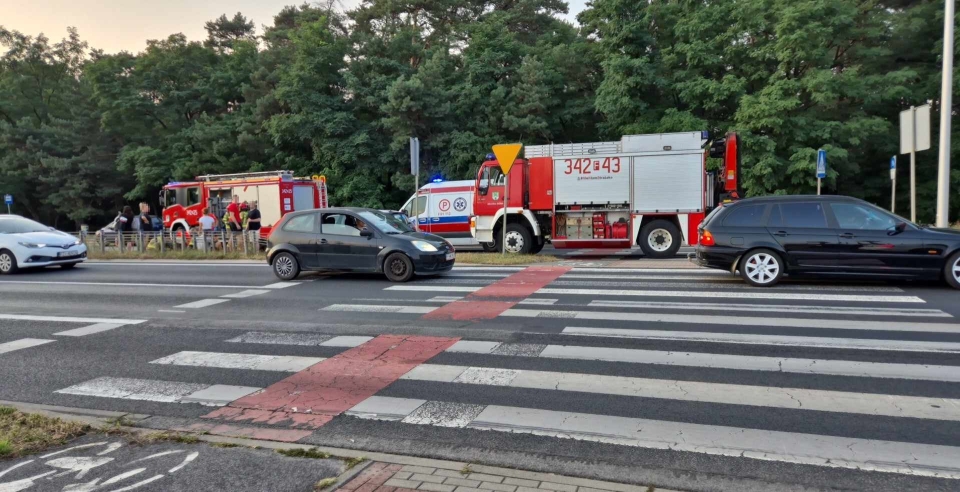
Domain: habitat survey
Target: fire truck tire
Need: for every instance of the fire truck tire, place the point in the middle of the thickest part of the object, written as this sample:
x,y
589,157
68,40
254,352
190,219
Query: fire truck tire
x,y
285,266
660,239
398,268
537,247
519,240
8,262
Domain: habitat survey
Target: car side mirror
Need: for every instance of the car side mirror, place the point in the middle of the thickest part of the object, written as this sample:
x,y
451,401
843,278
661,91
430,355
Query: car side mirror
x,y
482,189
900,227
366,233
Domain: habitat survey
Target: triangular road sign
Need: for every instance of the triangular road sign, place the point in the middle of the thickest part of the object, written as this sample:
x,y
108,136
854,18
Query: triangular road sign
x,y
506,155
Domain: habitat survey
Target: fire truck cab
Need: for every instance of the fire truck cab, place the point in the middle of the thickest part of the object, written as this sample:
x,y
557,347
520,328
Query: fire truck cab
x,y
276,193
650,191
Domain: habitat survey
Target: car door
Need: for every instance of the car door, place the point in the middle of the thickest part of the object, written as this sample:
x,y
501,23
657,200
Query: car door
x,y
871,241
803,230
341,245
302,231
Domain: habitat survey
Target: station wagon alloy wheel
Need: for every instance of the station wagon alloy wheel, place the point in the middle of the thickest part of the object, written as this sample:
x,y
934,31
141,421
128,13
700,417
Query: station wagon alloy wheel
x,y
660,240
762,268
956,269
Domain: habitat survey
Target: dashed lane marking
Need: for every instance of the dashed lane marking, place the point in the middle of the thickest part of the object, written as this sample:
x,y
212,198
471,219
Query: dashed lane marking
x,y
202,303
69,319
246,293
89,330
22,344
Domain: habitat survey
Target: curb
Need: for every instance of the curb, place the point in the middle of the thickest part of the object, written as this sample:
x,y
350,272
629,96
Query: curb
x,y
98,418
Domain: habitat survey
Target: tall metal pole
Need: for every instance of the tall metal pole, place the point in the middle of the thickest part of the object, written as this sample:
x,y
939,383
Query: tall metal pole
x,y
913,166
893,195
818,186
946,112
506,193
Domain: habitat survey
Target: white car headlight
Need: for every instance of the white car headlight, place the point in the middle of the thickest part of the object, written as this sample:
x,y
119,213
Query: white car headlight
x,y
424,246
32,245
77,242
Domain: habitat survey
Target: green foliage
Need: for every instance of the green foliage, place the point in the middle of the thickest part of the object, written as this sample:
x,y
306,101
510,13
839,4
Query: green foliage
x,y
320,91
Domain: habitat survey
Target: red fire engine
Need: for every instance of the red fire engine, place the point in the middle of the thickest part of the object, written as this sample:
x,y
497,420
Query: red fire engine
x,y
646,190
276,192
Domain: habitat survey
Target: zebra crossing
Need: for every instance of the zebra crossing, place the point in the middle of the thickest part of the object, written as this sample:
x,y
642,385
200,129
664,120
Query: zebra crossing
x,y
851,376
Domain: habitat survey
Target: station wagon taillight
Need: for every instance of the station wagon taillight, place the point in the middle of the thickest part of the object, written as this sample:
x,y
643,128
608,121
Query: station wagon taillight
x,y
706,239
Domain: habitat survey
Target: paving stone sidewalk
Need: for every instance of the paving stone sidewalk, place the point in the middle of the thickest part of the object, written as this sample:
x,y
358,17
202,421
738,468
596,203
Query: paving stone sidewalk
x,y
386,477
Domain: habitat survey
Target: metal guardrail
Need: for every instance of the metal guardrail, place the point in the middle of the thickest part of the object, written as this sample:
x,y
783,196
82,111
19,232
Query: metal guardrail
x,y
246,242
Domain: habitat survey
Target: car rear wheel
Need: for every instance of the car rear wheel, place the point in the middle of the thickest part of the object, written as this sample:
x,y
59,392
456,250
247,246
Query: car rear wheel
x,y
68,266
761,268
951,271
489,247
8,262
286,267
398,268
660,239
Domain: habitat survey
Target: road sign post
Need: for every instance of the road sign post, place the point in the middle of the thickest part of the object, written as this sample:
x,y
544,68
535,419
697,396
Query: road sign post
x,y
893,184
821,167
914,136
415,171
8,199
946,101
506,155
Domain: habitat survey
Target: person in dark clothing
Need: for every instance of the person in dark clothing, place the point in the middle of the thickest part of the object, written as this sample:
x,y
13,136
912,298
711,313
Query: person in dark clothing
x,y
146,223
126,219
253,218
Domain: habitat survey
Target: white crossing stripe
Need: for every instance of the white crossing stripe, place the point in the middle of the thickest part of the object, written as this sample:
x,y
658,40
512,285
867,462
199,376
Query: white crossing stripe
x,y
774,308
280,363
89,330
128,284
433,288
159,391
69,319
737,285
642,275
694,319
716,294
368,308
481,268
643,271
835,452
22,344
202,303
732,394
756,363
245,294
539,301
444,299
751,339
477,275
281,285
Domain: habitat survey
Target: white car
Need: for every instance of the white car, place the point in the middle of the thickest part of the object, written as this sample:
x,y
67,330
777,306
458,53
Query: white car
x,y
28,244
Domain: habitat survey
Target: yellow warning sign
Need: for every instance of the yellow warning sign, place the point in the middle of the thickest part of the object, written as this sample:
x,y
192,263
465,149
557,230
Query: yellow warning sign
x,y
506,155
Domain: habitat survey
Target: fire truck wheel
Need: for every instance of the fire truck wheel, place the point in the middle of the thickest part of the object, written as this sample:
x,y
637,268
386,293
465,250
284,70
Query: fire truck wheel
x,y
398,268
537,248
286,266
8,262
519,240
659,239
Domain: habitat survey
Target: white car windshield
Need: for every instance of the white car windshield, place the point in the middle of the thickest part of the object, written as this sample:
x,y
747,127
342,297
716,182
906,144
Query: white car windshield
x,y
386,223
21,226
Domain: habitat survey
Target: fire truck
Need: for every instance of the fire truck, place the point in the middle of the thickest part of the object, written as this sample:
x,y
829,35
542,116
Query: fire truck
x,y
276,193
650,191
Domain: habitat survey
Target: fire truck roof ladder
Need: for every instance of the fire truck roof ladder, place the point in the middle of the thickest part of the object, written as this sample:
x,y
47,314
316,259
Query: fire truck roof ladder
x,y
240,176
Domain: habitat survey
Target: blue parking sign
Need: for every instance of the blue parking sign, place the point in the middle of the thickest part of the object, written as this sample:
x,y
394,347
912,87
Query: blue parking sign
x,y
8,199
821,164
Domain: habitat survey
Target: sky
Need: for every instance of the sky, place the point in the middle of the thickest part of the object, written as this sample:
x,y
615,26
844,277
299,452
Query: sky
x,y
117,25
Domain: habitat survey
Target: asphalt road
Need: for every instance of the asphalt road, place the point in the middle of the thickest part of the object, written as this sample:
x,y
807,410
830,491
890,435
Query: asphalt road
x,y
687,379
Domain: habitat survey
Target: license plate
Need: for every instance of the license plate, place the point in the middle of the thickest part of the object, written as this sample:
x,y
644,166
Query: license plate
x,y
451,256
61,254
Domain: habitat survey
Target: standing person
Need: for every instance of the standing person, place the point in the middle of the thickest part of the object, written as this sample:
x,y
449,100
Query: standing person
x,y
233,215
146,224
253,218
207,221
244,212
126,220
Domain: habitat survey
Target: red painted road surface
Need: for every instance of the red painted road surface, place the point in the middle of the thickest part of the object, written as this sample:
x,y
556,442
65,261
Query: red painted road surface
x,y
314,396
492,300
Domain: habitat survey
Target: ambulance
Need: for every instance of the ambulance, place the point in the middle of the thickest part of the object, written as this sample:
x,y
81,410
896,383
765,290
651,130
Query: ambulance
x,y
444,208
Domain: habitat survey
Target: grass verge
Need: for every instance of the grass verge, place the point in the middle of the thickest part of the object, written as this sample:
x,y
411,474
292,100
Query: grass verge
x,y
25,433
304,453
501,259
324,484
175,255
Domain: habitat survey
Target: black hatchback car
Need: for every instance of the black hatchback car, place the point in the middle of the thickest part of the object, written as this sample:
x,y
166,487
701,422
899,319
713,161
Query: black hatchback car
x,y
354,240
768,237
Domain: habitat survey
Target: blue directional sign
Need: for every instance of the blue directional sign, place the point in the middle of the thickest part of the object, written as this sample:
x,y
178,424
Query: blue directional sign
x,y
8,199
821,163
893,167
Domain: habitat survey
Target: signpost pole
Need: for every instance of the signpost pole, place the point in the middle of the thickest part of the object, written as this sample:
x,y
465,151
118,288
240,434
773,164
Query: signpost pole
x,y
415,169
946,112
506,195
8,199
821,167
913,166
818,186
893,184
